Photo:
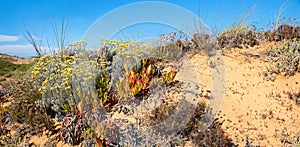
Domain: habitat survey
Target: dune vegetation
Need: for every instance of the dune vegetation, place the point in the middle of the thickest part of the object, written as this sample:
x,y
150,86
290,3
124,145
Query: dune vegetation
x,y
82,97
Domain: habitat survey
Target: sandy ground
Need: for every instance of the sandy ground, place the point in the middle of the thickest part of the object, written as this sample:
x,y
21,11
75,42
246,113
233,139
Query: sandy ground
x,y
252,106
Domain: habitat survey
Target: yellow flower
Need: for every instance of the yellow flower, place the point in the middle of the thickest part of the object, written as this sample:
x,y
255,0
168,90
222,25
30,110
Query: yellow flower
x,y
123,46
64,72
70,74
68,87
44,83
65,83
103,63
37,68
68,62
43,57
40,63
52,88
69,69
63,65
34,73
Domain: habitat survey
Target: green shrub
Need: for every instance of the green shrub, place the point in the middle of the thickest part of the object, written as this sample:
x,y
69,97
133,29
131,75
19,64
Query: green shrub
x,y
285,32
81,81
28,118
78,75
52,77
25,67
168,52
285,59
9,69
236,36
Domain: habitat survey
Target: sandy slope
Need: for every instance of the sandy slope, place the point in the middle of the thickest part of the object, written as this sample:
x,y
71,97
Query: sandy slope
x,y
16,60
252,106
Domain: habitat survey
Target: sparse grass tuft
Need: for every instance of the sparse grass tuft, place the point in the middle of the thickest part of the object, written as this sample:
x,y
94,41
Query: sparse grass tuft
x,y
294,95
237,36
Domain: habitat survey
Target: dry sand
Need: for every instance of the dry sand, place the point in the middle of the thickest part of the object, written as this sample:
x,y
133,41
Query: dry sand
x,y
252,106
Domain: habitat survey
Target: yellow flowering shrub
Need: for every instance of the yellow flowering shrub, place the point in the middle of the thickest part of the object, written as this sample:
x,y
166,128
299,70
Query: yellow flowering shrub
x,y
92,76
65,80
52,75
127,48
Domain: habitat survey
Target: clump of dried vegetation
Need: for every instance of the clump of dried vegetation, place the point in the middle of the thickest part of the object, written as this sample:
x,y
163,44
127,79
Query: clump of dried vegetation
x,y
238,36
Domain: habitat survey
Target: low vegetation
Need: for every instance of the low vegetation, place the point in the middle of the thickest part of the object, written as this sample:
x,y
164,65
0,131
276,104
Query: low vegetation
x,y
67,92
238,36
285,59
8,69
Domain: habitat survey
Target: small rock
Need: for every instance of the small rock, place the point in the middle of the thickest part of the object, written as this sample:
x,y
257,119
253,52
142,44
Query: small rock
x,y
265,74
263,116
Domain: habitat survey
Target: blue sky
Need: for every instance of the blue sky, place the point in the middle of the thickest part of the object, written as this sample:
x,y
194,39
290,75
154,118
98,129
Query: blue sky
x,y
80,15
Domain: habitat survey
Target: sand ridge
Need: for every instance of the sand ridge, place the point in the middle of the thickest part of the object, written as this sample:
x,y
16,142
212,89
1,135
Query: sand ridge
x,y
254,107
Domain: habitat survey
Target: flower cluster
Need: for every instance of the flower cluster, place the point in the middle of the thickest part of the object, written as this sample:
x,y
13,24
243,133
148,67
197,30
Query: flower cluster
x,y
52,75
119,46
127,48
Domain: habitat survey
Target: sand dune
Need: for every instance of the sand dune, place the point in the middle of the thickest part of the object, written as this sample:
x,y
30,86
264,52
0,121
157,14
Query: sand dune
x,y
253,106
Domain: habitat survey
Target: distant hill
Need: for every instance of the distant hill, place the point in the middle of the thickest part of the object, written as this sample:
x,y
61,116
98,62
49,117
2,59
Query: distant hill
x,y
13,66
16,59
